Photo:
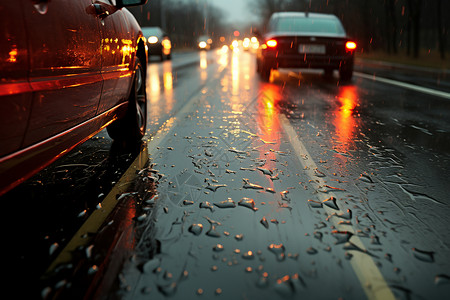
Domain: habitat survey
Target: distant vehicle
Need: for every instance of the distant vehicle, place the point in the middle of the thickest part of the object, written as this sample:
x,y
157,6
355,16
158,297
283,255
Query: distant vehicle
x,y
299,40
158,42
204,42
67,70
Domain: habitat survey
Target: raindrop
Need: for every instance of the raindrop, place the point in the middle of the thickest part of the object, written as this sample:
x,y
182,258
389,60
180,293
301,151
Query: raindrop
x,y
248,255
263,280
346,215
331,202
248,185
285,286
274,177
441,279
311,250
388,256
248,269
82,214
218,248
196,229
142,217
237,151
213,231
270,190
318,173
230,171
151,265
365,177
218,291
199,291
229,203
264,222
214,187
53,248
315,204
284,195
93,269
375,240
427,256
239,237
249,203
341,236
88,251
168,290
187,202
278,250
206,204
265,171
318,235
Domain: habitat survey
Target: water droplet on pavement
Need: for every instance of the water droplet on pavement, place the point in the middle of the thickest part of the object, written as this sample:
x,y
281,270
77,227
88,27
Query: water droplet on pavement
x,y
196,229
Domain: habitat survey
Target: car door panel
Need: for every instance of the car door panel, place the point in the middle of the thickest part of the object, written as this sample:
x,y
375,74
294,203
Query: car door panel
x,y
65,63
15,91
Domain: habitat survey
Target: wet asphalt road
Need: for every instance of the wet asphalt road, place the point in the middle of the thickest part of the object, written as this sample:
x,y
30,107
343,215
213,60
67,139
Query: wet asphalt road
x,y
302,187
277,190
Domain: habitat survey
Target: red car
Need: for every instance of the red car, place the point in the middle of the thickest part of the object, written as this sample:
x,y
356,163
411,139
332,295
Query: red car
x,y
68,68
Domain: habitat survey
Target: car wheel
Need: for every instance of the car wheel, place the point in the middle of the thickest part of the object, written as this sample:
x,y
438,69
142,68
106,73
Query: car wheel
x,y
328,73
346,74
265,72
132,127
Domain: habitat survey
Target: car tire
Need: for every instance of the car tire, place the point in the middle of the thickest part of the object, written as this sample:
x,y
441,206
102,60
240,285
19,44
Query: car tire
x,y
264,72
346,74
133,125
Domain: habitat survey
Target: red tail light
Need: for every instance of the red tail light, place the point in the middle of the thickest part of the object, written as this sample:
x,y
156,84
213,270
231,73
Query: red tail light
x,y
271,43
350,45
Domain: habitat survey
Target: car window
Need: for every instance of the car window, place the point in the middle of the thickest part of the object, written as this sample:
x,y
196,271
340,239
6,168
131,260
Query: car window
x,y
295,24
152,31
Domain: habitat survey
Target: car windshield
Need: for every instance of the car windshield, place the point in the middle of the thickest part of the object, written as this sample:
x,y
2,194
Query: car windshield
x,y
310,25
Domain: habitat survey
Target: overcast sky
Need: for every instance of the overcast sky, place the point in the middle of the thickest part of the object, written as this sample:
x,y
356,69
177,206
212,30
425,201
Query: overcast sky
x,y
235,10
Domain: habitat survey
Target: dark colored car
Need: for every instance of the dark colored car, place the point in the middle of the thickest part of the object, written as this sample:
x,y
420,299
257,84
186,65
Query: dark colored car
x,y
68,69
204,42
158,42
300,40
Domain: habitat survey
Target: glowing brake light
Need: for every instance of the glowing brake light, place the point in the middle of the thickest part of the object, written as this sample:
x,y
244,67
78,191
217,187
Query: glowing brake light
x,y
271,43
350,45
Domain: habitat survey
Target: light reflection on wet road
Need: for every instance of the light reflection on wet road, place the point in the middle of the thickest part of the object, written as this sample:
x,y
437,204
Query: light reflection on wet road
x,y
376,197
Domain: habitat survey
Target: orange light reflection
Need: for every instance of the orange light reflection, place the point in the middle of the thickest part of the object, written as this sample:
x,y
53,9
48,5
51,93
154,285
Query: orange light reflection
x,y
268,123
344,122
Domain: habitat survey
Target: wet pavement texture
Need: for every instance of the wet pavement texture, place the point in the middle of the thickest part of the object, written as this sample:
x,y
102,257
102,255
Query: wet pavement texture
x,y
275,190
299,187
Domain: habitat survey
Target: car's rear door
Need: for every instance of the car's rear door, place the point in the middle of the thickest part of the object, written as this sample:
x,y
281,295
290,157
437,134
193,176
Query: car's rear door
x,y
15,91
65,63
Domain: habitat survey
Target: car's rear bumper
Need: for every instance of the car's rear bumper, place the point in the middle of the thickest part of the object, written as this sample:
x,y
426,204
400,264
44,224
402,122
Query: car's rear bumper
x,y
154,49
307,61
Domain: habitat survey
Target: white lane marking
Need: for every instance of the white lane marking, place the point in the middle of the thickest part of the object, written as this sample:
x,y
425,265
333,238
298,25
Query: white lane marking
x,y
370,277
405,85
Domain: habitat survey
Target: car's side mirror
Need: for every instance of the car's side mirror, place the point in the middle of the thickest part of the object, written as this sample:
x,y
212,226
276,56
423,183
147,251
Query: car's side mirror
x,y
124,3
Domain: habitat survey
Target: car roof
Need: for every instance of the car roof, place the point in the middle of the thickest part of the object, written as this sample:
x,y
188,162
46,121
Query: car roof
x,y
152,30
302,14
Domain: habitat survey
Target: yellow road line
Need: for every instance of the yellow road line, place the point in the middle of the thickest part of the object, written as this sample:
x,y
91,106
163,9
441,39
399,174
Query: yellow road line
x,y
98,217
372,281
